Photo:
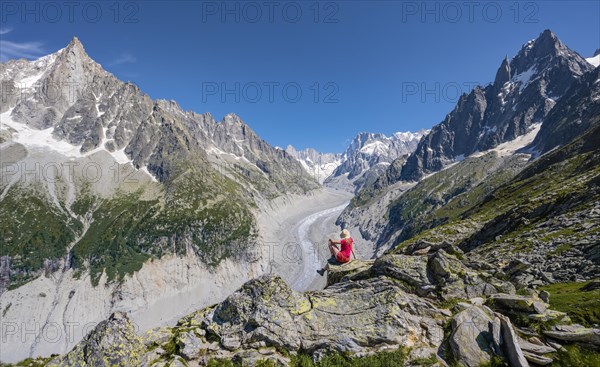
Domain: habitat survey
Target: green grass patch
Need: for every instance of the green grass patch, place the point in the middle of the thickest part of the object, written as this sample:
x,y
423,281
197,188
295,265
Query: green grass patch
x,y
576,356
219,362
495,361
560,249
32,230
382,359
583,307
556,184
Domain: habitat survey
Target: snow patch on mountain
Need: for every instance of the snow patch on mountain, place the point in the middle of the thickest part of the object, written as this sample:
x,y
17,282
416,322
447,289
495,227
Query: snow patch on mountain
x,y
26,73
44,140
318,165
524,78
511,147
37,139
377,147
595,60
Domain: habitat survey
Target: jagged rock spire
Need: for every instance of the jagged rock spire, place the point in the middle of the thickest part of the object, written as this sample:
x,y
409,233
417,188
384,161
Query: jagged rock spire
x,y
503,73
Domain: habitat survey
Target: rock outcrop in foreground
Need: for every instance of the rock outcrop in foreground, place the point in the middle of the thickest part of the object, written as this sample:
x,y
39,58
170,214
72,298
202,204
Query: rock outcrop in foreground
x,y
428,301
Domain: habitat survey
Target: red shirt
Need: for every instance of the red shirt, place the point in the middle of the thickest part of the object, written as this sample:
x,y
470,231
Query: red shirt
x,y
346,246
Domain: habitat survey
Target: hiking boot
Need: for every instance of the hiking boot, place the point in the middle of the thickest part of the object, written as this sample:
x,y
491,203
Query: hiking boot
x,y
321,272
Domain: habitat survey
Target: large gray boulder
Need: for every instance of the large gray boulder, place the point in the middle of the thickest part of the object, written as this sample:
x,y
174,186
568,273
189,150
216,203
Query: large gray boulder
x,y
575,333
510,343
516,303
336,273
472,338
362,316
409,269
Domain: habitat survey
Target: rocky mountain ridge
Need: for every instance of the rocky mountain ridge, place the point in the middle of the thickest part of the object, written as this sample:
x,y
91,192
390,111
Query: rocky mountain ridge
x,y
524,91
369,155
107,196
371,212
90,109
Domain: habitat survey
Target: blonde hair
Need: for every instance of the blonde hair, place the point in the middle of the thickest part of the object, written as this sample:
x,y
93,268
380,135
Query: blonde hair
x,y
345,233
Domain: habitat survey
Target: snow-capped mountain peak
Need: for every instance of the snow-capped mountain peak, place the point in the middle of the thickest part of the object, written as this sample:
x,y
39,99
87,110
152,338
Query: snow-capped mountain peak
x,y
369,154
524,91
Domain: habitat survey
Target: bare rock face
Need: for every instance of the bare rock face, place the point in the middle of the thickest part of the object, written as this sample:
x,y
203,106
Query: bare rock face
x,y
337,273
471,339
349,316
578,111
510,343
478,333
518,303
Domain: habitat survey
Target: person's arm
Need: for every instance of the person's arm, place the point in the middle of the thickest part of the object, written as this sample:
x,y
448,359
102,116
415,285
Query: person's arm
x,y
335,242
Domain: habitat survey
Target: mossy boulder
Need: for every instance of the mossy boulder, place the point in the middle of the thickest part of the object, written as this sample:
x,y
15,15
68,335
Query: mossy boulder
x,y
112,343
337,272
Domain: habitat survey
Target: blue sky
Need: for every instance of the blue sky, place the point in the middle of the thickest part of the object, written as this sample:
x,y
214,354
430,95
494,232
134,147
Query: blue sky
x,y
311,74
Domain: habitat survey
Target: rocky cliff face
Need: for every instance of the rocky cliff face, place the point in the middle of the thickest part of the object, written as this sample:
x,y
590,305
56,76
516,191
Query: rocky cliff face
x,y
524,91
576,113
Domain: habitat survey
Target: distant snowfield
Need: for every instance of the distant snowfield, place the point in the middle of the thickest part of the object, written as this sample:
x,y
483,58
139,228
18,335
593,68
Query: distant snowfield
x,y
594,60
29,81
33,71
376,147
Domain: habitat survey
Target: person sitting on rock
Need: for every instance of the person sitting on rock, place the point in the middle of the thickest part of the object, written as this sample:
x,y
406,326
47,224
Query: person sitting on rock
x,y
341,255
